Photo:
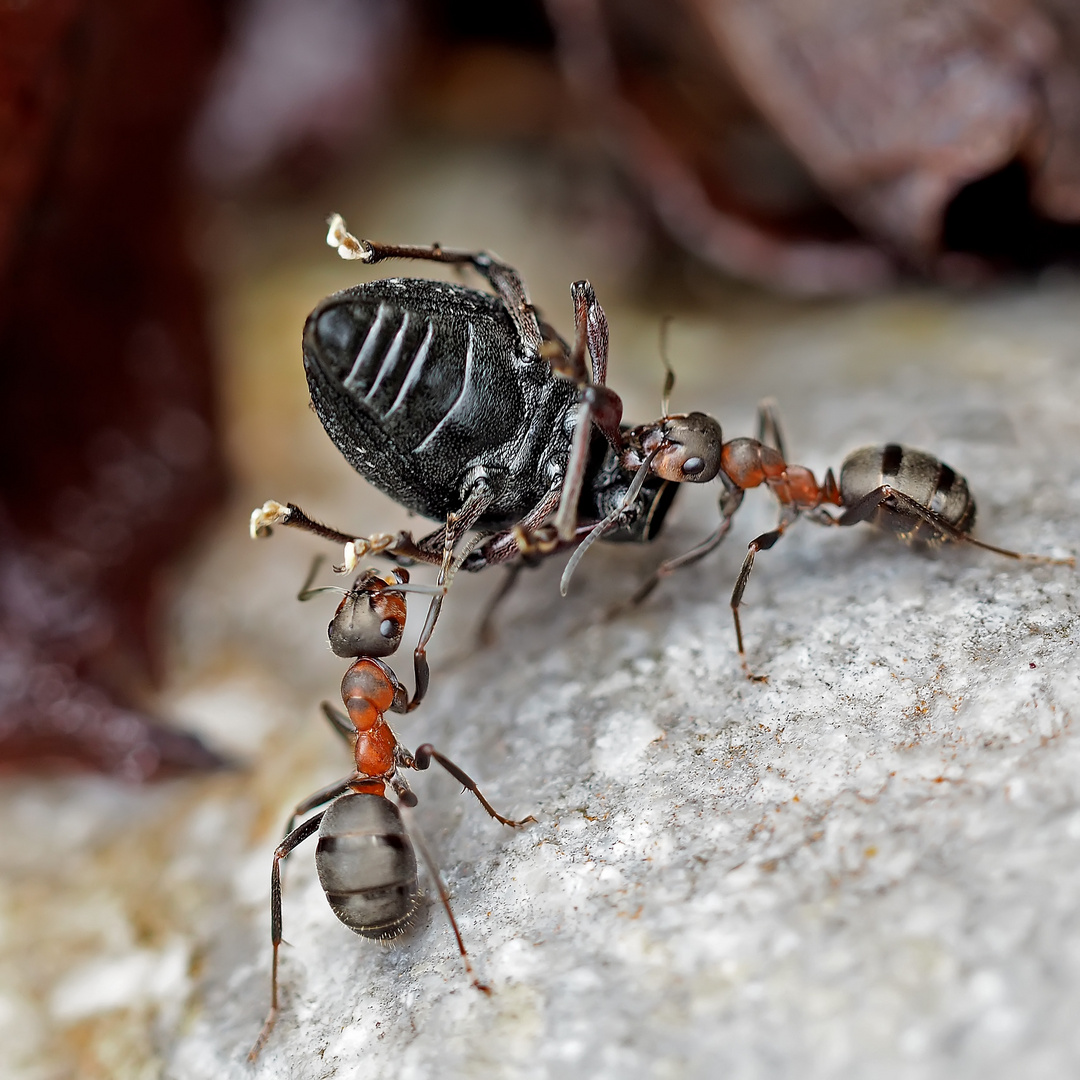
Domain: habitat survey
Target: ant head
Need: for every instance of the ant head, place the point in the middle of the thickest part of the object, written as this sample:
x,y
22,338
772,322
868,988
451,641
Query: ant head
x,y
370,619
687,448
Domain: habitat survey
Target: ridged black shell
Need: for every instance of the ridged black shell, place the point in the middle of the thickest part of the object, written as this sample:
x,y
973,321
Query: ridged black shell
x,y
419,382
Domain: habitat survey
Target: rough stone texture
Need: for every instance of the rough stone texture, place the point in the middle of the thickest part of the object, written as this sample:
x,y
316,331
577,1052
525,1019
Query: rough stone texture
x,y
866,866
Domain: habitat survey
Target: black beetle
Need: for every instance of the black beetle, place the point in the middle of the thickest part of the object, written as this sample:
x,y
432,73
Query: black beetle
x,y
464,407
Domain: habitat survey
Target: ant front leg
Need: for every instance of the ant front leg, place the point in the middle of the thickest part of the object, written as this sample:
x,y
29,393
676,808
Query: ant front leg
x,y
730,501
423,758
760,543
457,526
296,837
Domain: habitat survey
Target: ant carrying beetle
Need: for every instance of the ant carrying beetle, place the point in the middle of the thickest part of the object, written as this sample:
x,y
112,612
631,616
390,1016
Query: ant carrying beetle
x,y
365,857
464,406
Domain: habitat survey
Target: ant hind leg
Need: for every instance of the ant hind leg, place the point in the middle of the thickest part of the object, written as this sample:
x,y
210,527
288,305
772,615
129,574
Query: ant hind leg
x,y
423,758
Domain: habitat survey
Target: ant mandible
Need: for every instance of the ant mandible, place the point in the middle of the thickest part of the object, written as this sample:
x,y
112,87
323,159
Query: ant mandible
x,y
365,857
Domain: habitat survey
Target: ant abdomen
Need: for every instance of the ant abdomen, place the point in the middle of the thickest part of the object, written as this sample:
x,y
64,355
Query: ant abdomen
x,y
922,477
367,866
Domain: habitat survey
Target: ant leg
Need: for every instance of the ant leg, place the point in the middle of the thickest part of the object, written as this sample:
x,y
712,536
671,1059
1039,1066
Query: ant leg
x,y
444,896
865,507
306,590
769,426
318,798
730,501
669,566
505,280
457,525
485,632
339,721
760,543
499,548
423,758
296,837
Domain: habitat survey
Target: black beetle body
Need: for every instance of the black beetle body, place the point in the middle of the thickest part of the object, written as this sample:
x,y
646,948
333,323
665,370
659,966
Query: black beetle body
x,y
424,386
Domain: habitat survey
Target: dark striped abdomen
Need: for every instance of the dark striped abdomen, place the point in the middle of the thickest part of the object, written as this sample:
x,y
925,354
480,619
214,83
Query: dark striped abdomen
x,y
367,866
417,356
920,476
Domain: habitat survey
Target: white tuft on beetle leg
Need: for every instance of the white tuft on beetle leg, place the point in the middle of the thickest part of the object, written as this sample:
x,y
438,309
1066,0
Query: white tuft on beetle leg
x,y
347,245
262,517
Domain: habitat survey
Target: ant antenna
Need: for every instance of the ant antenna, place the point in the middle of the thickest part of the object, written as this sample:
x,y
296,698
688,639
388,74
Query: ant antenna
x,y
602,526
467,549
307,592
669,378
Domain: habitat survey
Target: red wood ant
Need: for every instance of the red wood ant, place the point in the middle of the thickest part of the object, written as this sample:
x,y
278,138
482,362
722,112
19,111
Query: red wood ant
x,y
906,492
365,856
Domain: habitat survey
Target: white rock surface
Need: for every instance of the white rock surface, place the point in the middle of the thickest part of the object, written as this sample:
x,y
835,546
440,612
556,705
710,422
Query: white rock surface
x,y
869,866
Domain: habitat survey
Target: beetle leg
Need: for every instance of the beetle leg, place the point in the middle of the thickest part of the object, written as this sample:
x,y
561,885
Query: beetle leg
x,y
509,544
392,546
599,404
505,280
485,631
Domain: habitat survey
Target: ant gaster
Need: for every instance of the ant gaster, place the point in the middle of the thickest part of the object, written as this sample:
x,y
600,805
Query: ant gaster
x,y
365,857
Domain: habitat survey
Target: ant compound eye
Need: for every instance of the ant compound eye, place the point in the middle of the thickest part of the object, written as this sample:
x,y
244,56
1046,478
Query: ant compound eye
x,y
388,628
692,466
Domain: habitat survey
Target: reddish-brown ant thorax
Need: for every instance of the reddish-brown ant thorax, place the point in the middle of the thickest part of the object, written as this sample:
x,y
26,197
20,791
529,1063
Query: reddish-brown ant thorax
x,y
798,488
368,691
375,750
750,463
